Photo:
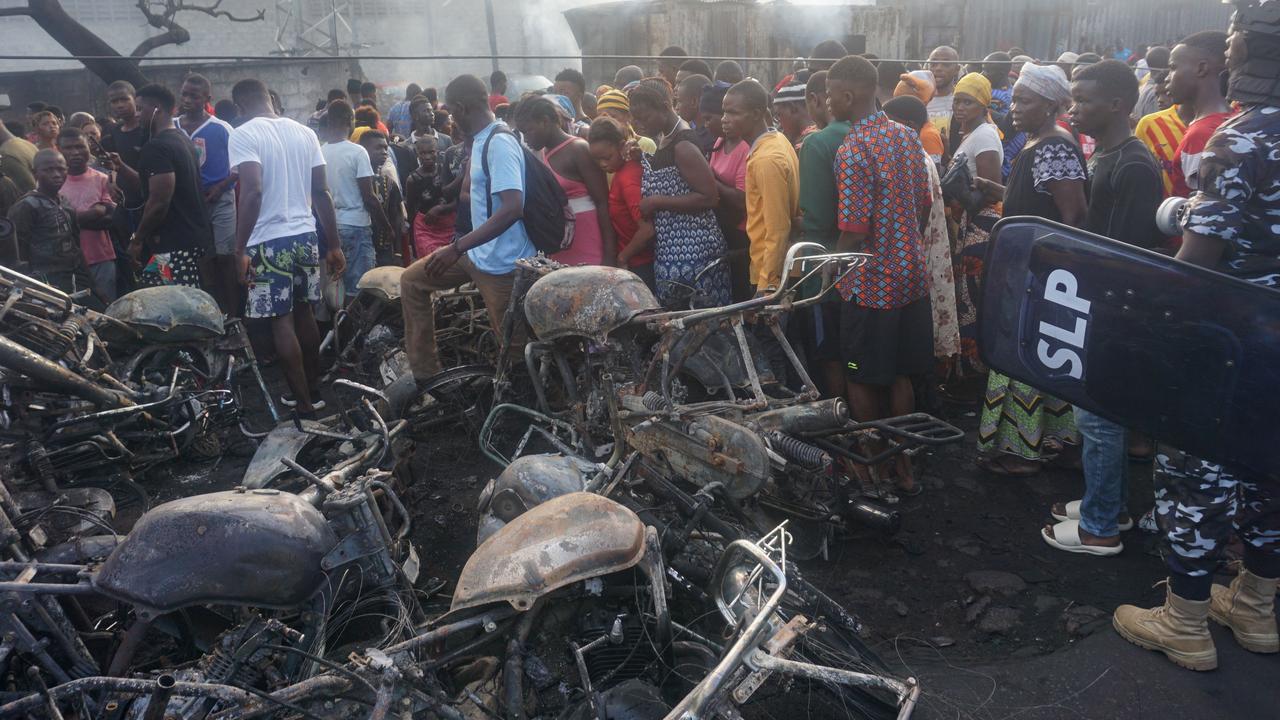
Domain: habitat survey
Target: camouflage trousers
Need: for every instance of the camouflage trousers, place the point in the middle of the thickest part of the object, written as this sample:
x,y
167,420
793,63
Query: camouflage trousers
x,y
1199,504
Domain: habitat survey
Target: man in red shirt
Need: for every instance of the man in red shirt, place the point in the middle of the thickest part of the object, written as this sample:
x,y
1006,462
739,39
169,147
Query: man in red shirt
x,y
88,192
1195,67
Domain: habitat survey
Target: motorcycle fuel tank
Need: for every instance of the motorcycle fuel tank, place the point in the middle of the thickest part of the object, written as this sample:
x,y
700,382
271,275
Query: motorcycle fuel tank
x,y
384,282
565,540
528,481
586,302
172,313
259,548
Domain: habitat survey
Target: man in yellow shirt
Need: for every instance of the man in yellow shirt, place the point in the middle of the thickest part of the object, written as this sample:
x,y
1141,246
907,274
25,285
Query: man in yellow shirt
x,y
773,181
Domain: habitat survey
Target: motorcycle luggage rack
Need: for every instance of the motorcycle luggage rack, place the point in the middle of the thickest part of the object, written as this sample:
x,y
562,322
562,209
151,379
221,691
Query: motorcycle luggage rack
x,y
904,433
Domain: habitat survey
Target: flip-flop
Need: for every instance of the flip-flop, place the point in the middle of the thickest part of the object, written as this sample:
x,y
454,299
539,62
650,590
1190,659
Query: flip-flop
x,y
1073,513
1066,537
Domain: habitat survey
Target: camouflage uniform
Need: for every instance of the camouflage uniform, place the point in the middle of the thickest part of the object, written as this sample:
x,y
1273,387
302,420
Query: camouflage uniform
x,y
1197,501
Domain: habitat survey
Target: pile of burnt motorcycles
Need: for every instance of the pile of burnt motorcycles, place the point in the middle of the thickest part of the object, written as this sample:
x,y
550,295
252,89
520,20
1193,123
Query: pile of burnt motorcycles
x,y
660,478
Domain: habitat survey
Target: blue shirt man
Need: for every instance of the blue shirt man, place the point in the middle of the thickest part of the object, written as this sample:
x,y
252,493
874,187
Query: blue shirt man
x,y
484,254
506,172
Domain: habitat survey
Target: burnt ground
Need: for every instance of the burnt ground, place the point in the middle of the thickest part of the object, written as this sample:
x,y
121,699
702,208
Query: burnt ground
x,y
965,596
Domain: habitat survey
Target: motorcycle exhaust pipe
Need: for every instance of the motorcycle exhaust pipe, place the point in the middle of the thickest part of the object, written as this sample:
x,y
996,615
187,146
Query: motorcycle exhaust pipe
x,y
18,357
873,515
805,418
159,700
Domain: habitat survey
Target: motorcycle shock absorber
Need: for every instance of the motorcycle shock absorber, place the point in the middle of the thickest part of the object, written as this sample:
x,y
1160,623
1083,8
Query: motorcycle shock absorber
x,y
797,451
38,457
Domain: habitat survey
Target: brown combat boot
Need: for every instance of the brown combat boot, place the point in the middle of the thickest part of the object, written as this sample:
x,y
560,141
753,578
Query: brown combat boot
x,y
1179,629
1247,606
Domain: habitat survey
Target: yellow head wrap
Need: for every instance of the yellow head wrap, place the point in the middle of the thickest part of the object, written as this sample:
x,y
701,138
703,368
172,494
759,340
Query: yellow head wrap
x,y
613,100
977,87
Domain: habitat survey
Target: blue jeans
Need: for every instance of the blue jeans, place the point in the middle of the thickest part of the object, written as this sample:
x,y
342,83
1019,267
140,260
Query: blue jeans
x,y
357,246
1106,483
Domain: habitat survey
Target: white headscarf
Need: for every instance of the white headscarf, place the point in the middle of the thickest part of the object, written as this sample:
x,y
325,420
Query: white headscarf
x,y
1047,81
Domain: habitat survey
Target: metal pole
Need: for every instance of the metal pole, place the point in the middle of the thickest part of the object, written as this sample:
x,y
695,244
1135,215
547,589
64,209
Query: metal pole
x,y
493,32
334,48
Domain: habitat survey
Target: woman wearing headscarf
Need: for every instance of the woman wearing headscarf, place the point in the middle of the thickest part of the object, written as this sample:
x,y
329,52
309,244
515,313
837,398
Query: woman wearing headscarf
x,y
919,84
979,148
614,104
680,196
1022,428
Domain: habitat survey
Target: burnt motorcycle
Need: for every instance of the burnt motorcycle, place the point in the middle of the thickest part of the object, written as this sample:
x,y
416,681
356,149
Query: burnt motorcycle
x,y
210,599
621,383
104,397
575,609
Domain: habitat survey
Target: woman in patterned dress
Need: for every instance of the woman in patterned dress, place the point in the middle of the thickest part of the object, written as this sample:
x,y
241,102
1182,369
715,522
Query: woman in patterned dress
x,y
1021,427
680,197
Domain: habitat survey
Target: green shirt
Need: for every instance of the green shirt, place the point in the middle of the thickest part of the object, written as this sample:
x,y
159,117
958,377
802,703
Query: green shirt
x,y
16,158
818,183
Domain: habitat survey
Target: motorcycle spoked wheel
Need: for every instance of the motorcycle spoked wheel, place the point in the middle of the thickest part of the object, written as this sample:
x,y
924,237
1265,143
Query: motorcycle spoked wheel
x,y
458,398
127,494
156,363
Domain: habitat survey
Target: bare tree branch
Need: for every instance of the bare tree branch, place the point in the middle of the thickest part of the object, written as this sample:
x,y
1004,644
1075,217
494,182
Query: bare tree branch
x,y
161,14
213,10
14,11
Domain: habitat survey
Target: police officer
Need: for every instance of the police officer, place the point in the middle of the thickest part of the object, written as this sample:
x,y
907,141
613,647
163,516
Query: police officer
x,y
1229,227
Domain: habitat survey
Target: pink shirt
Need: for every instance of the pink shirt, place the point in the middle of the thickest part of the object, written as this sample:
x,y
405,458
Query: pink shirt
x,y
731,168
82,192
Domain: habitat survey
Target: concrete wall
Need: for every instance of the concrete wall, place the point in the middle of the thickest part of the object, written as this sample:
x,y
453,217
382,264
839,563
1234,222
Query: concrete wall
x,y
299,84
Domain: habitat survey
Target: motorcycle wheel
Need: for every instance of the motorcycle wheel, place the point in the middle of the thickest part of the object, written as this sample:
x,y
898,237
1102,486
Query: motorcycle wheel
x,y
459,397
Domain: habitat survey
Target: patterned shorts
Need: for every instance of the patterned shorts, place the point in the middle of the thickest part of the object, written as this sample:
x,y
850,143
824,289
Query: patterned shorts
x,y
285,270
179,267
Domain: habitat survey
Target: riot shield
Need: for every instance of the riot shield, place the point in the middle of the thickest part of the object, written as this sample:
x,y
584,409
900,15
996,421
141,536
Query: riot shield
x,y
1187,355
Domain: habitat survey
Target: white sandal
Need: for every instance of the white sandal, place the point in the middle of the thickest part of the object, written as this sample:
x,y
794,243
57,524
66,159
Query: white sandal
x,y
1073,513
1066,537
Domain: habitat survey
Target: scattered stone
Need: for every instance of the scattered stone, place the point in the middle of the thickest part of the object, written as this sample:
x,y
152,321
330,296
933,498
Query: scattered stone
x,y
999,621
1026,651
471,480
944,563
1083,620
969,549
941,641
975,610
1045,603
965,483
995,581
897,606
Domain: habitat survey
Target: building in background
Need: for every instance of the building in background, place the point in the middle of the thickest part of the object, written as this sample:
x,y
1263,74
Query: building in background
x,y
292,28
745,29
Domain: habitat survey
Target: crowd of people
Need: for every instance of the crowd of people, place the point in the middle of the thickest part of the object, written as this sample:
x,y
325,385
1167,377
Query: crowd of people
x,y
698,179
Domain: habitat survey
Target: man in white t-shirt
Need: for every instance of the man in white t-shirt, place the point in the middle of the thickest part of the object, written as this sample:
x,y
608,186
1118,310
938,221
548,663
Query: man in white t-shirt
x,y
282,177
350,176
945,66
